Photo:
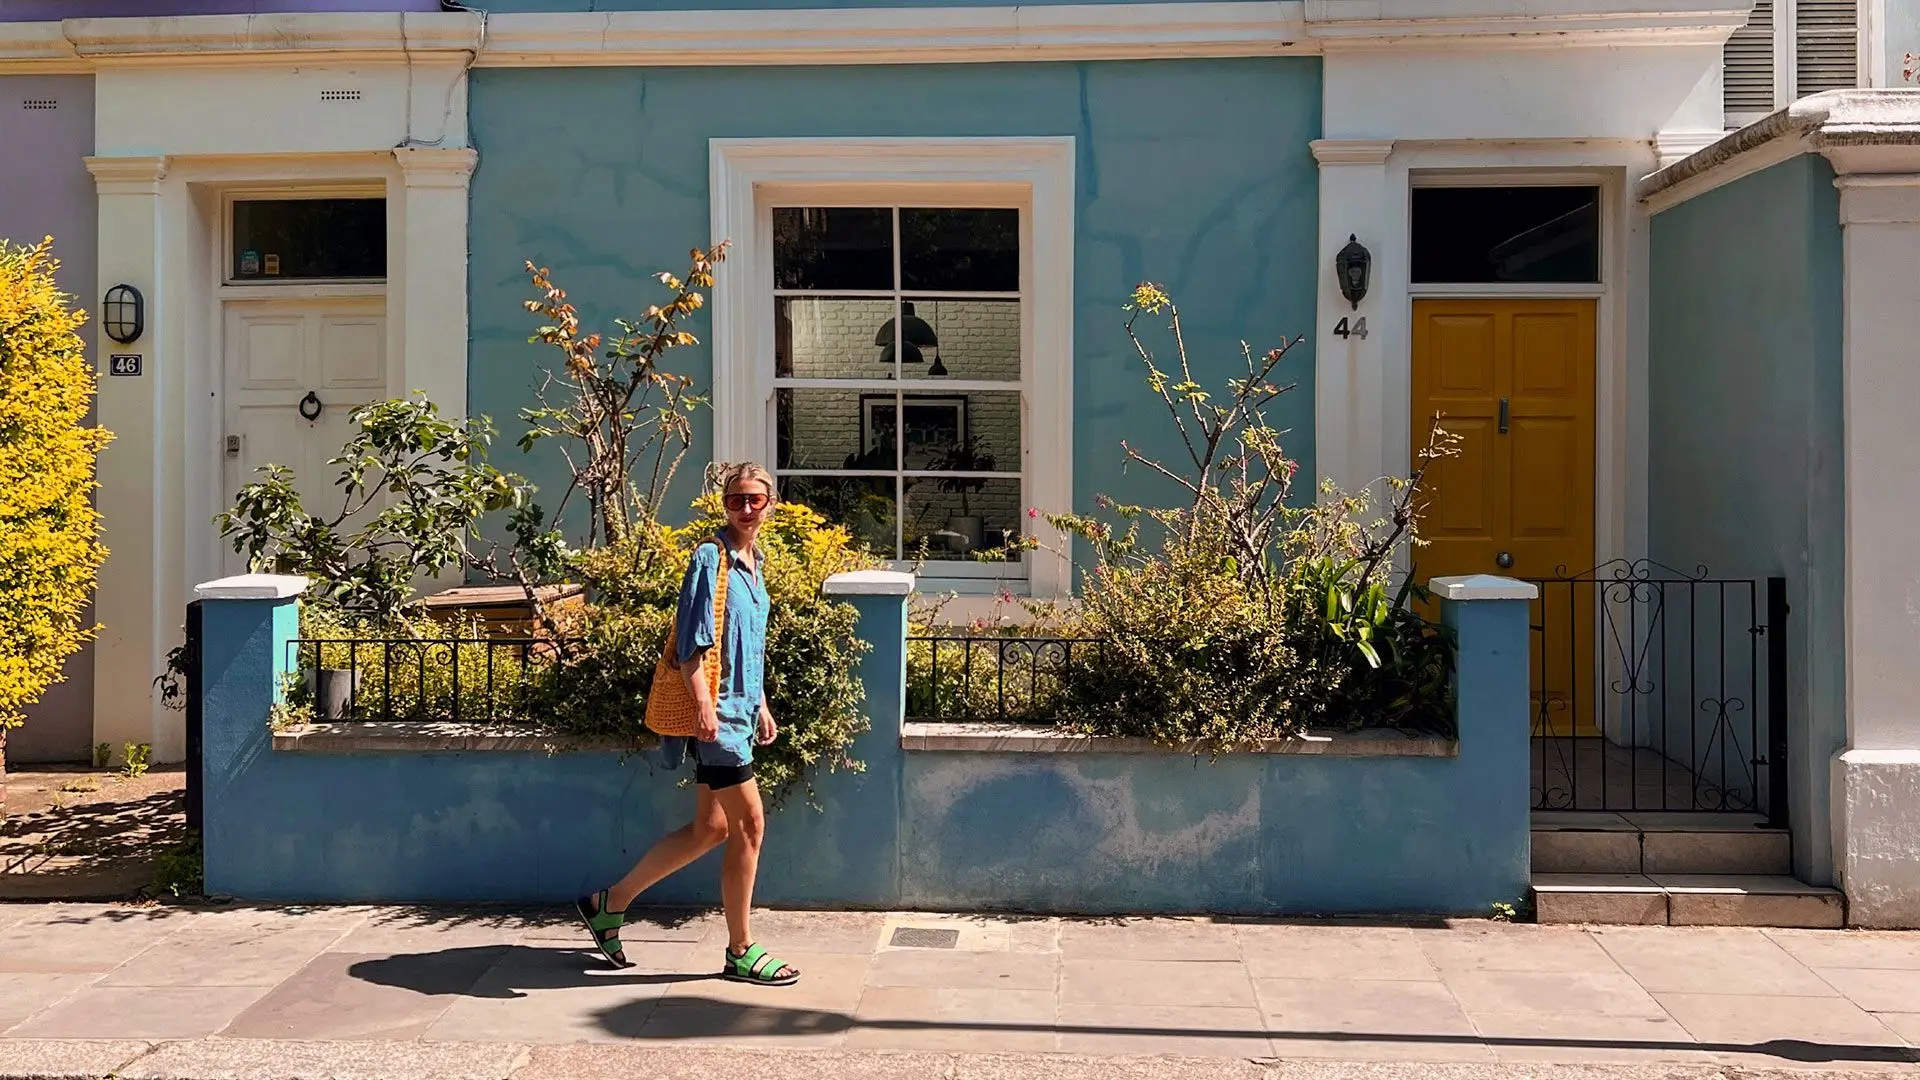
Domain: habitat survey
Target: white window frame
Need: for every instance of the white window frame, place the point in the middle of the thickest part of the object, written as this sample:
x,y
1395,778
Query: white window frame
x,y
290,193
749,176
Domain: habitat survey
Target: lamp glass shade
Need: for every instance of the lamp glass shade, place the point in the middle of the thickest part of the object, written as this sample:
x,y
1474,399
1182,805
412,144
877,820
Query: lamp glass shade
x,y
123,314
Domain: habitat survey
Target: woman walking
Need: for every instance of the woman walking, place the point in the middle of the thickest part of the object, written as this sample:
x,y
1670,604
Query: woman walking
x,y
727,805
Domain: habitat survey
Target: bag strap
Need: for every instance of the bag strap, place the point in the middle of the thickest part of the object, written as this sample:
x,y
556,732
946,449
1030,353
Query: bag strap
x,y
719,618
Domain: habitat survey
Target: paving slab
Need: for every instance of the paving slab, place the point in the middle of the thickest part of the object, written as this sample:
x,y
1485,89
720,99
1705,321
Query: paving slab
x,y
1876,989
537,995
1381,1019
1717,960
732,1063
77,939
1155,982
259,949
970,970
1513,948
269,1059
1590,1039
949,1018
1904,1024
141,1012
352,996
1783,1030
1181,1030
1149,939
1333,952
61,1059
23,994
1851,948
830,981
693,1020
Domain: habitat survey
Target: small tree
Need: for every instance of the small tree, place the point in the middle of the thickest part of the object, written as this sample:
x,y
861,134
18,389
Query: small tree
x,y
50,548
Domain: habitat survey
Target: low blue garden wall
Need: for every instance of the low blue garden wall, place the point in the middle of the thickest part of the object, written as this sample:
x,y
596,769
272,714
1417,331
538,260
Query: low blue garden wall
x,y
1082,831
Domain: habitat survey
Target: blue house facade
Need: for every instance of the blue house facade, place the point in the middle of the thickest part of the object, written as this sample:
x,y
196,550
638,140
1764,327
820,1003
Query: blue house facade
x,y
934,214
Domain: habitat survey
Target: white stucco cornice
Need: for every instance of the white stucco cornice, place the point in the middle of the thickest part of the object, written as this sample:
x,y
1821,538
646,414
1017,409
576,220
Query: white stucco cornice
x,y
1351,151
133,175
431,166
1207,28
38,48
1344,25
206,40
1859,131
897,35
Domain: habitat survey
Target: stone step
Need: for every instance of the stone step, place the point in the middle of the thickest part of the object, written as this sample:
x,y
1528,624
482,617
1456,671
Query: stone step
x,y
1596,843
1687,900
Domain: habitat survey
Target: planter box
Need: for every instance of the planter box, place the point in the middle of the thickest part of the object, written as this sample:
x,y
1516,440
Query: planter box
x,y
502,610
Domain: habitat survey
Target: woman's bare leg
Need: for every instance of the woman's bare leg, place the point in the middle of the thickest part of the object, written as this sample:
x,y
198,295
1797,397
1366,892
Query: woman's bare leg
x,y
674,850
746,828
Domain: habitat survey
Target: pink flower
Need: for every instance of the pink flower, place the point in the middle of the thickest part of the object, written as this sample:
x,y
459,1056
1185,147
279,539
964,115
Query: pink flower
x,y
1033,513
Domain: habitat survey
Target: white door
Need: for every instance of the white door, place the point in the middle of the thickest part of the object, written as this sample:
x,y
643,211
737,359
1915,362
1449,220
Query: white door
x,y
295,371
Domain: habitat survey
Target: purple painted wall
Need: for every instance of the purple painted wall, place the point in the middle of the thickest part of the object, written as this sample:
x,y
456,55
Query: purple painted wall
x,y
46,124
52,10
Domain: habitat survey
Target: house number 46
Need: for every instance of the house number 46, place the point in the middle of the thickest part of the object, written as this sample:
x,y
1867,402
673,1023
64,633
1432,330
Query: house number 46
x,y
1357,330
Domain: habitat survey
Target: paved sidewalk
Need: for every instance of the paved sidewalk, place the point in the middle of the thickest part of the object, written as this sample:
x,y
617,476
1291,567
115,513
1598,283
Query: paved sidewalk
x,y
267,992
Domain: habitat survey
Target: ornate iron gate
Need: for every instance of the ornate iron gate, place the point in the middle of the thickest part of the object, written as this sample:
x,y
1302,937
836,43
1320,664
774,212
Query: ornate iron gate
x,y
1657,690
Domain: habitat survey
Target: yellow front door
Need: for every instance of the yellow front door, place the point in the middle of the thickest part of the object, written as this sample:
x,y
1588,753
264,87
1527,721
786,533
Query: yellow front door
x,y
1514,380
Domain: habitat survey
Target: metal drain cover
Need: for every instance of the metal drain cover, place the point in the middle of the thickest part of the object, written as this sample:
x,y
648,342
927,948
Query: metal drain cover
x,y
913,937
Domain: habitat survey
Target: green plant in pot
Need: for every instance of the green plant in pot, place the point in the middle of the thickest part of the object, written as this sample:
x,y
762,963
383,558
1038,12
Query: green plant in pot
x,y
968,455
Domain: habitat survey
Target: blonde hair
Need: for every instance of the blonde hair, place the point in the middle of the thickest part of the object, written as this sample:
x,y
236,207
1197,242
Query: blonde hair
x,y
732,476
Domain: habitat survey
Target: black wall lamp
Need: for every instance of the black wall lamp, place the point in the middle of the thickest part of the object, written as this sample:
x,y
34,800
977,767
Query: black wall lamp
x,y
1351,267
124,314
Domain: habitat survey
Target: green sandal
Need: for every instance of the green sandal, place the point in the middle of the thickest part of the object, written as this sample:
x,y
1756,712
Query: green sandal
x,y
757,965
604,925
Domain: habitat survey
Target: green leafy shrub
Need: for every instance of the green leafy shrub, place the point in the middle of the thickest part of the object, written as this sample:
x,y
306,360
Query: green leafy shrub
x,y
1240,616
50,548
813,652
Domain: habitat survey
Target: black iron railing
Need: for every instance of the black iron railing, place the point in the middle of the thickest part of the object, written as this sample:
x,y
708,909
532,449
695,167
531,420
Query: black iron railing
x,y
1657,690
466,679
989,678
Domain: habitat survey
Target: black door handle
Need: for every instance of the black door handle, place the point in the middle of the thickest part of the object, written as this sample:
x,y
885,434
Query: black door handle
x,y
313,399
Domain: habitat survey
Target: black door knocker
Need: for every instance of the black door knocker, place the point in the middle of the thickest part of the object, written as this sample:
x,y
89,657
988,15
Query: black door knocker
x,y
312,399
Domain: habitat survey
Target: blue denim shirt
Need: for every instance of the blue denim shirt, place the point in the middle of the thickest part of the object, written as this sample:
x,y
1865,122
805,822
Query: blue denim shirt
x,y
743,654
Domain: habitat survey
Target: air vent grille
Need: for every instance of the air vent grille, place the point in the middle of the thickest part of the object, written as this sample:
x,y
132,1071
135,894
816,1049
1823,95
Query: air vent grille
x,y
39,104
339,95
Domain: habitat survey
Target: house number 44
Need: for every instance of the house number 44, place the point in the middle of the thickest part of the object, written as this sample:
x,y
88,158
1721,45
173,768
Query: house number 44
x,y
1357,330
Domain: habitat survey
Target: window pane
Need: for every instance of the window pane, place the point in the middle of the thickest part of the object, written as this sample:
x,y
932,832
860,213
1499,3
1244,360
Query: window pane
x,y
960,250
833,429
954,517
838,338
972,339
837,248
309,238
864,504
974,432
1513,234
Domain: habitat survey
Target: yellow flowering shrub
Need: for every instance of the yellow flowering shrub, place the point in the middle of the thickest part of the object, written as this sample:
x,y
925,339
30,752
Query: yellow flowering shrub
x,y
50,546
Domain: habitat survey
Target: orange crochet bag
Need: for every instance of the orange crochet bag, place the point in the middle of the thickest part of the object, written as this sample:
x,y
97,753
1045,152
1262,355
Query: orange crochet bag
x,y
670,707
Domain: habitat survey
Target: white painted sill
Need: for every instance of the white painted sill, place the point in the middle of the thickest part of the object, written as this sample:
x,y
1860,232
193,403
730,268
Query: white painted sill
x,y
1016,739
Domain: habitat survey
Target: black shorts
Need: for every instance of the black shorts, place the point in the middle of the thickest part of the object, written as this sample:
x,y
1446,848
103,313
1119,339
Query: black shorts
x,y
719,777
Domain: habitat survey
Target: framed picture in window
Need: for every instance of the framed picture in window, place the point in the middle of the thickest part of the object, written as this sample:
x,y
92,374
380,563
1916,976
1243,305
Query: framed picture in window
x,y
934,422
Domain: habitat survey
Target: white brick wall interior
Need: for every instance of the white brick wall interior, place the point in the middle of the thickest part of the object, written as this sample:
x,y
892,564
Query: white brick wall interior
x,y
979,340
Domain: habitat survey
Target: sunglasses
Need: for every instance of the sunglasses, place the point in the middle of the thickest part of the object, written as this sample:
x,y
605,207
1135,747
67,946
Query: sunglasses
x,y
741,500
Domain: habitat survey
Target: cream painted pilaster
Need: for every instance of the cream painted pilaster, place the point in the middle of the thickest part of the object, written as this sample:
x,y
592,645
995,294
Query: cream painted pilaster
x,y
1876,779
1348,386
135,479
431,271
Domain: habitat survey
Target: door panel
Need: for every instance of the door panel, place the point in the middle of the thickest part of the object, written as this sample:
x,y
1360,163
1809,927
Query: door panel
x,y
276,353
1524,488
